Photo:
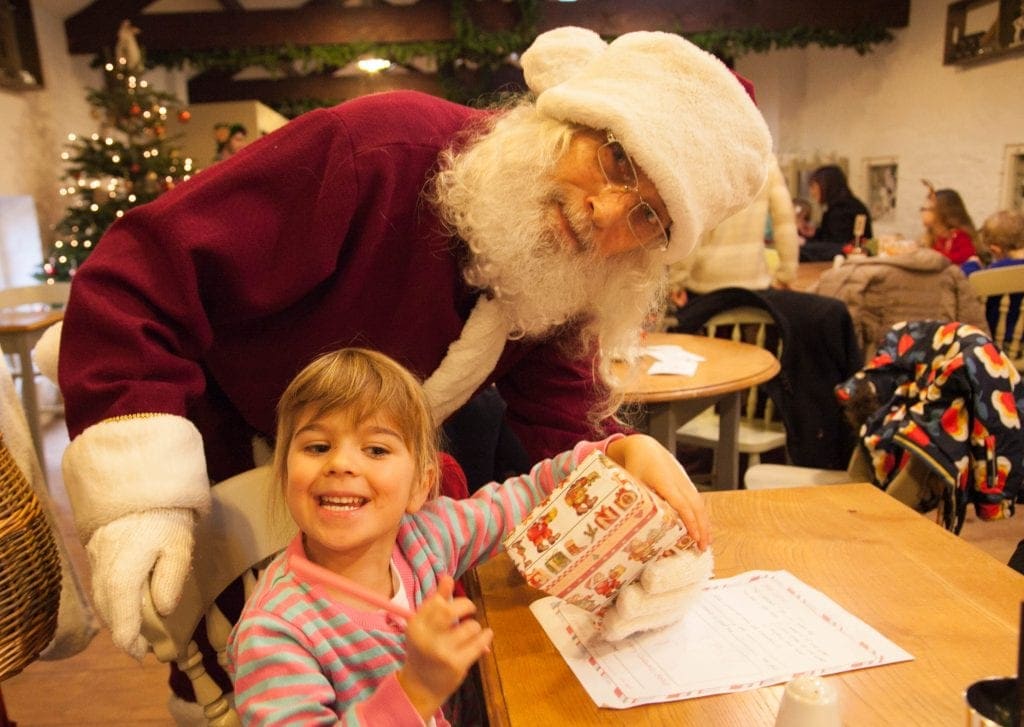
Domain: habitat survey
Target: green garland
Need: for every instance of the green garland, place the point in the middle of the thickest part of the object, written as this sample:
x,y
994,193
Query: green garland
x,y
488,51
736,43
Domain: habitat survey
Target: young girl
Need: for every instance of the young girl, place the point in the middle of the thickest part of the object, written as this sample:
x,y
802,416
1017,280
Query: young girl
x,y
948,227
356,457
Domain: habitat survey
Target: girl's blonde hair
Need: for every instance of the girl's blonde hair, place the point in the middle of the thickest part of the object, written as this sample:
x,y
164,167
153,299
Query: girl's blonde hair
x,y
361,383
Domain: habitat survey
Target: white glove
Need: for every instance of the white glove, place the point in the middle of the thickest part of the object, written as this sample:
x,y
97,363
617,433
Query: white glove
x,y
149,549
662,595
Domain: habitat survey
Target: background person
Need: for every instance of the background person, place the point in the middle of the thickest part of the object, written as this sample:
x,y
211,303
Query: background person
x,y
231,138
828,187
733,253
1002,236
948,227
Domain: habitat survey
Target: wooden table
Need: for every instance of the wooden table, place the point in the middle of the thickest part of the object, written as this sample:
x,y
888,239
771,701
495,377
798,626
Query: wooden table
x,y
807,274
19,331
729,369
952,606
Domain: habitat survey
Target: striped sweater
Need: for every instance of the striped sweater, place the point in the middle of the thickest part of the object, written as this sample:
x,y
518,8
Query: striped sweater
x,y
298,657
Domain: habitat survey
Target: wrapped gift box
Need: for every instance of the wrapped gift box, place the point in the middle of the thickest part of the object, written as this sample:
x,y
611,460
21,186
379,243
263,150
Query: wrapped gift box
x,y
593,534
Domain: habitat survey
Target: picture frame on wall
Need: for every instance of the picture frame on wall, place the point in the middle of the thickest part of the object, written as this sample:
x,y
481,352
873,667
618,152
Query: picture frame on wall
x,y
1013,178
882,176
20,67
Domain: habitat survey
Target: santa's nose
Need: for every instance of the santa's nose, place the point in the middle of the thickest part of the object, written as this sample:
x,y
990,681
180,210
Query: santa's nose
x,y
610,206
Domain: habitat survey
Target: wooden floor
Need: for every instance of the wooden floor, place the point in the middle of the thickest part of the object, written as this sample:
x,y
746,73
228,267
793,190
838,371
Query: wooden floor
x,y
103,686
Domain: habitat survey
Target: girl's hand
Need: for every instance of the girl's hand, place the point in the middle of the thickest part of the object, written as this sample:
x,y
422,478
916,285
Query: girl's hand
x,y
644,458
440,648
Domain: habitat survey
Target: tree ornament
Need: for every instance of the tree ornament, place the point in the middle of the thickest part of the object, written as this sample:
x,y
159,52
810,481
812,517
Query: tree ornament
x,y
135,109
184,115
127,49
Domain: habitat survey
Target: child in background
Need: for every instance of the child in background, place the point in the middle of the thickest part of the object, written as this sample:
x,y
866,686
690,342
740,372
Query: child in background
x,y
948,227
356,458
1002,236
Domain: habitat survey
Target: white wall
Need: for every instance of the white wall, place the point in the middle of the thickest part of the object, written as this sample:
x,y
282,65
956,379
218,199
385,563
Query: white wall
x,y
35,123
948,124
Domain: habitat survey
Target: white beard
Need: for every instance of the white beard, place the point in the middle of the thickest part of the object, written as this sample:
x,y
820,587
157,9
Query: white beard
x,y
499,197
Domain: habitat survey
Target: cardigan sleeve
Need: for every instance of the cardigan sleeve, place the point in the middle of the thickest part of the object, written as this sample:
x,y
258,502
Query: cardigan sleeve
x,y
469,532
784,234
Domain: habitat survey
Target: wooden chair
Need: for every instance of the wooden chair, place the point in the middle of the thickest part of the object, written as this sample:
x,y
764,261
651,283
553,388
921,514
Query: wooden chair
x,y
241,534
25,314
1006,286
760,430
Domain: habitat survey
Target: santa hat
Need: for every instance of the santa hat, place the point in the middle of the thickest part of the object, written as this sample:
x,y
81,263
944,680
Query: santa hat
x,y
679,112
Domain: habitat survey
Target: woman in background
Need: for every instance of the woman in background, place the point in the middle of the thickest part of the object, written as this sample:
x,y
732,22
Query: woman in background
x,y
828,187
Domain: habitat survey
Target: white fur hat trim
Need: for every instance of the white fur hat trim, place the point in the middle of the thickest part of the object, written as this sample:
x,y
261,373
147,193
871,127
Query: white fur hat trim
x,y
122,466
469,360
678,111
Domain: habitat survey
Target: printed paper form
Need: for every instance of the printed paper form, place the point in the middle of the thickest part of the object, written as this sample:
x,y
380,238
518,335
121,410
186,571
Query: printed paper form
x,y
752,630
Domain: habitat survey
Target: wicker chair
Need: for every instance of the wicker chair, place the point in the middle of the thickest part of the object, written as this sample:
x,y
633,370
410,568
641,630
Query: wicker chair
x,y
30,572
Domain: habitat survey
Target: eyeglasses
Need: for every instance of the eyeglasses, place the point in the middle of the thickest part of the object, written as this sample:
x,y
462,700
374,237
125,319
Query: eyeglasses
x,y
618,170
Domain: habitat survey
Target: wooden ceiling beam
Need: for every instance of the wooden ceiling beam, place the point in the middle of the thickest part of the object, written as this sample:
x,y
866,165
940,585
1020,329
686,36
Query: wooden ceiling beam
x,y
427,20
271,91
613,17
93,29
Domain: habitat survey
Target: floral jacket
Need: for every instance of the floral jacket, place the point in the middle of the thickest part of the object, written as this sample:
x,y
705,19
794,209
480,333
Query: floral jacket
x,y
950,398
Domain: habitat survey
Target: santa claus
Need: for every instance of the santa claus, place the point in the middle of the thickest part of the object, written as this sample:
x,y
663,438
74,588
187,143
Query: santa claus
x,y
518,247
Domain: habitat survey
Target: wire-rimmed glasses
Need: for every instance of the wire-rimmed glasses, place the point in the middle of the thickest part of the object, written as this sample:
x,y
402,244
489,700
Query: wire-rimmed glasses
x,y
618,170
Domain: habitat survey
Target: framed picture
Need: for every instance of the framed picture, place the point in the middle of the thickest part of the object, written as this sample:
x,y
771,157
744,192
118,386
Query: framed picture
x,y
19,56
882,175
1013,178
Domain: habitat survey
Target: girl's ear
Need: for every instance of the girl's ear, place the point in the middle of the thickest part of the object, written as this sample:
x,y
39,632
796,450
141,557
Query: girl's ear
x,y
422,490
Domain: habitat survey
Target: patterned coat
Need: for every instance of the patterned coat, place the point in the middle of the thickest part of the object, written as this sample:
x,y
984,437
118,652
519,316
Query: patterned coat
x,y
952,400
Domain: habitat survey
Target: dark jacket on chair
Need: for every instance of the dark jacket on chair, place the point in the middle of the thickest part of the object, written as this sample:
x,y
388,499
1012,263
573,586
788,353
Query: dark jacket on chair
x,y
819,351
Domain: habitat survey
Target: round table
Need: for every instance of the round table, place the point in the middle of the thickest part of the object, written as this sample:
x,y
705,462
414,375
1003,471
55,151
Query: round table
x,y
729,368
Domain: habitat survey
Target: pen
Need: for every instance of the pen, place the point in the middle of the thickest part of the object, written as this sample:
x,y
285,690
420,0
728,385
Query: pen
x,y
310,571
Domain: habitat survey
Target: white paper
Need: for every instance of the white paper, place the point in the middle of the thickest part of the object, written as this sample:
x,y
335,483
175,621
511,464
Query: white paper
x,y
672,360
752,630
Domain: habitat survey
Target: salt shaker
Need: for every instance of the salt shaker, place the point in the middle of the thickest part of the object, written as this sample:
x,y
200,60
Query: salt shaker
x,y
809,702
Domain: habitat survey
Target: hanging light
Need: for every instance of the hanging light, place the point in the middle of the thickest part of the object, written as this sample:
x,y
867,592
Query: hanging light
x,y
373,65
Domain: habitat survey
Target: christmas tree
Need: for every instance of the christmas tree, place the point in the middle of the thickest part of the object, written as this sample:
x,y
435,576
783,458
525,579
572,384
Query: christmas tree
x,y
129,162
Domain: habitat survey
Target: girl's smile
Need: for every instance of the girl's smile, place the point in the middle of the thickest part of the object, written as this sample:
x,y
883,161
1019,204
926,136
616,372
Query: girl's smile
x,y
350,481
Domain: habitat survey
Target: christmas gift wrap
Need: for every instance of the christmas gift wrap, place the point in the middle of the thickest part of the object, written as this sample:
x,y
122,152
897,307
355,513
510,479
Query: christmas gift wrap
x,y
593,534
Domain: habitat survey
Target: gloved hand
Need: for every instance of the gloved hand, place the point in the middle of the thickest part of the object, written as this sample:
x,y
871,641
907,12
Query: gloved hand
x,y
149,549
662,595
